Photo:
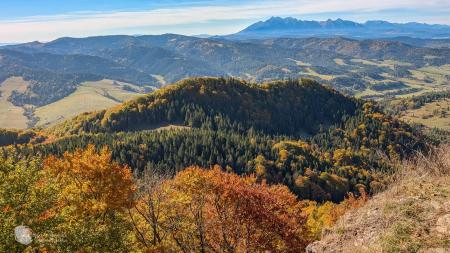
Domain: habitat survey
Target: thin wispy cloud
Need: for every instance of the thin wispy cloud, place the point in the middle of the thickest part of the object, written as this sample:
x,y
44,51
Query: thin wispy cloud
x,y
214,19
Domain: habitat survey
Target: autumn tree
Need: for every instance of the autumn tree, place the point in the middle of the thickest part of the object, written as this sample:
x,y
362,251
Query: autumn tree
x,y
147,216
24,201
215,211
324,216
94,193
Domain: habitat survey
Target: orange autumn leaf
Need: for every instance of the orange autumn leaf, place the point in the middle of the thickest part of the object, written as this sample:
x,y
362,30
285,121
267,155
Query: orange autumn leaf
x,y
90,181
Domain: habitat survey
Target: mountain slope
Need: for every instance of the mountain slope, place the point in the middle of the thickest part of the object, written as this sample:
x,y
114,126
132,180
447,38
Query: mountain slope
x,y
53,76
413,215
289,107
366,49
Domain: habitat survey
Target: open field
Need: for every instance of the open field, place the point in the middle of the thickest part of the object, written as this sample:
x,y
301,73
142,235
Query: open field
x,y
90,96
391,63
300,63
367,62
12,116
339,61
435,114
384,63
441,70
437,75
411,82
422,80
311,72
368,92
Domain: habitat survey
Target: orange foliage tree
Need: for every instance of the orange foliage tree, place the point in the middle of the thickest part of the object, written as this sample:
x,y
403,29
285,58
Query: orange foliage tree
x,y
215,211
94,193
91,182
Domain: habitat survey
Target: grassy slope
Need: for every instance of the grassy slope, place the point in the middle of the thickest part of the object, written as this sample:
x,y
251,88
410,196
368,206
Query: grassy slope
x,y
12,116
413,215
90,96
435,114
419,79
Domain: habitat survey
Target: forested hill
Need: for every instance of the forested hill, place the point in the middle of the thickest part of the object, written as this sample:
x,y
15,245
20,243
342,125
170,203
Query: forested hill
x,y
318,142
283,107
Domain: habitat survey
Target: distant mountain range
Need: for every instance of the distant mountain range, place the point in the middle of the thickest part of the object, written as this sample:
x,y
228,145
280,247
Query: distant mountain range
x,y
291,27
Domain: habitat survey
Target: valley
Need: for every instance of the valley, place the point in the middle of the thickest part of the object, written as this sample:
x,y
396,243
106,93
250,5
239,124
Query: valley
x,y
88,97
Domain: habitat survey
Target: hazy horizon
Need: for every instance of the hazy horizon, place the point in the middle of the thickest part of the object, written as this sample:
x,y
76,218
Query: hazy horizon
x,y
25,21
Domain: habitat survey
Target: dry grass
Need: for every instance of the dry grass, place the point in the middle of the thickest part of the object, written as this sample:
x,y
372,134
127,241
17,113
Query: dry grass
x,y
418,205
160,79
435,164
413,215
300,63
311,72
434,114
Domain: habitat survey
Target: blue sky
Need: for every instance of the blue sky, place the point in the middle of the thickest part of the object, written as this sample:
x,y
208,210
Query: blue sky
x,y
29,20
23,8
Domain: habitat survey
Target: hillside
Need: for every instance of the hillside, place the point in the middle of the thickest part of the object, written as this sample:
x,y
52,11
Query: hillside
x,y
12,116
366,49
431,43
87,97
56,71
53,77
284,107
198,126
429,109
413,215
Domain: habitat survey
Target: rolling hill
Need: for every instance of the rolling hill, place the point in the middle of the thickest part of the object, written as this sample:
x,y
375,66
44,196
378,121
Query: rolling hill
x,y
87,97
54,76
371,69
173,57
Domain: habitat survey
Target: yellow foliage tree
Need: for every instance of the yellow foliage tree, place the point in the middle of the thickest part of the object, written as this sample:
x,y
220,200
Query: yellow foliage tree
x,y
94,193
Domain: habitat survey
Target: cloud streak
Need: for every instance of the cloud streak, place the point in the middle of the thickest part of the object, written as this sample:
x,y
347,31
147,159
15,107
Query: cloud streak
x,y
217,19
